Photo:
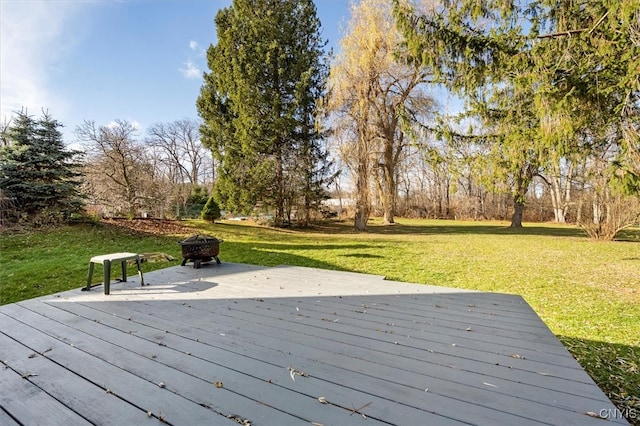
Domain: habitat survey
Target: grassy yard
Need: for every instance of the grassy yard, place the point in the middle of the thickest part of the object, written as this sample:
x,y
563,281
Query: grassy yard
x,y
587,292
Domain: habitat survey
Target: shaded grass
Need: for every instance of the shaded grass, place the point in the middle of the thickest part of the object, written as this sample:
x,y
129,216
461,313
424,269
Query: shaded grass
x,y
587,292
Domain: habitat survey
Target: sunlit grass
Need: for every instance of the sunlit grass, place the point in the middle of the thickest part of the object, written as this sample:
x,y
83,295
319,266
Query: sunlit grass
x,y
39,263
586,291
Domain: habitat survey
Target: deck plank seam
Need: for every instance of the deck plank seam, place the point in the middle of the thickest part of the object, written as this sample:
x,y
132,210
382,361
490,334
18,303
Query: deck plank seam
x,y
104,359
481,388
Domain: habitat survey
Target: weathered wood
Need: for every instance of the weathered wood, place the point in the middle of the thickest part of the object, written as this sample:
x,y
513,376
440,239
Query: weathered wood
x,y
33,406
473,390
392,352
125,363
6,419
403,381
397,358
68,389
147,395
274,371
461,353
185,374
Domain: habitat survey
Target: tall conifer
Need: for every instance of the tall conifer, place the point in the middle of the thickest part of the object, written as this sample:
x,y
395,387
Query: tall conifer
x,y
258,104
38,172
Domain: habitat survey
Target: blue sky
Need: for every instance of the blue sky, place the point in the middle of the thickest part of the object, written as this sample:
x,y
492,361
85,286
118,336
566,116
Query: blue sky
x,y
101,60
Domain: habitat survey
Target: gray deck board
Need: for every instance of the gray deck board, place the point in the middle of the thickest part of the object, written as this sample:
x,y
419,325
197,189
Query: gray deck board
x,y
396,356
400,392
267,372
379,352
113,380
148,325
124,363
190,376
6,419
463,354
262,376
27,402
76,393
407,321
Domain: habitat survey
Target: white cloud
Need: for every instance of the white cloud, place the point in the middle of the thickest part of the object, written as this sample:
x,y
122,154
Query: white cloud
x,y
191,71
135,124
35,37
193,45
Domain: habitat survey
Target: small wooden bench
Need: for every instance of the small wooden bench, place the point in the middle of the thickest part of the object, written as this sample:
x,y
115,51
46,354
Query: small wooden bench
x,y
106,260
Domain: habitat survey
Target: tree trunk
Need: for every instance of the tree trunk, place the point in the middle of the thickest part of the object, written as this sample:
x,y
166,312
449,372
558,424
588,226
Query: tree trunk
x,y
597,212
518,211
522,182
561,192
360,221
388,172
389,198
447,198
363,206
556,201
388,218
280,195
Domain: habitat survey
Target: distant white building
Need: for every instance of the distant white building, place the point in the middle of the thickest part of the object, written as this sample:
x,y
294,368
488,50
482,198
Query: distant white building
x,y
337,202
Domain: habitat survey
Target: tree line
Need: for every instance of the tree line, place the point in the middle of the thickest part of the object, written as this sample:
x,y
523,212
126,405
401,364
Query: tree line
x,y
165,173
549,99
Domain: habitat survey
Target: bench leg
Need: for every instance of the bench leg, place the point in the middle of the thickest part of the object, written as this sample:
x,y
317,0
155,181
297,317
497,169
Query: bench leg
x,y
107,276
123,265
89,277
139,271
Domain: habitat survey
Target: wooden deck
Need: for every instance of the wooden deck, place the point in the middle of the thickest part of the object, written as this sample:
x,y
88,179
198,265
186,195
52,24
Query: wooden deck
x,y
240,344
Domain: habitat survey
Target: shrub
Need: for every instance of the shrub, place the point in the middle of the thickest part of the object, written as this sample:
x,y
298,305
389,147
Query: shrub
x,y
617,213
210,211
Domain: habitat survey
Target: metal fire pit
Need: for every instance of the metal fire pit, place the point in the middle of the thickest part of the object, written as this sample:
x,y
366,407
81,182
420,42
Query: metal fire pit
x,y
200,248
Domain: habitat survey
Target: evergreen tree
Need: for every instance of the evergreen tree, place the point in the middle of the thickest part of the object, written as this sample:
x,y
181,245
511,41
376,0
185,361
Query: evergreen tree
x,y
38,171
551,80
258,103
210,211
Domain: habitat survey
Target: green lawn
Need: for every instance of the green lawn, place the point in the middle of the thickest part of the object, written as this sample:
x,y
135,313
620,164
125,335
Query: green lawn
x,y
587,292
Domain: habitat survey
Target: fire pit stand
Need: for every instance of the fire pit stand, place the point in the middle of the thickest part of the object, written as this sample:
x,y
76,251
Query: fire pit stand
x,y
200,248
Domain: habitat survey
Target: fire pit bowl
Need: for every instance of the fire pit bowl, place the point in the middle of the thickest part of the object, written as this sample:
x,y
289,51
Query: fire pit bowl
x,y
200,248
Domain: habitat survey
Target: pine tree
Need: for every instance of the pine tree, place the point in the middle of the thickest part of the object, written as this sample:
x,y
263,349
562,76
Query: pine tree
x,y
258,105
38,171
550,80
210,211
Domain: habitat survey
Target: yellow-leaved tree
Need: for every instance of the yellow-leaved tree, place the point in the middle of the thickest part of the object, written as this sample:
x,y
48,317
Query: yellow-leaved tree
x,y
376,96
